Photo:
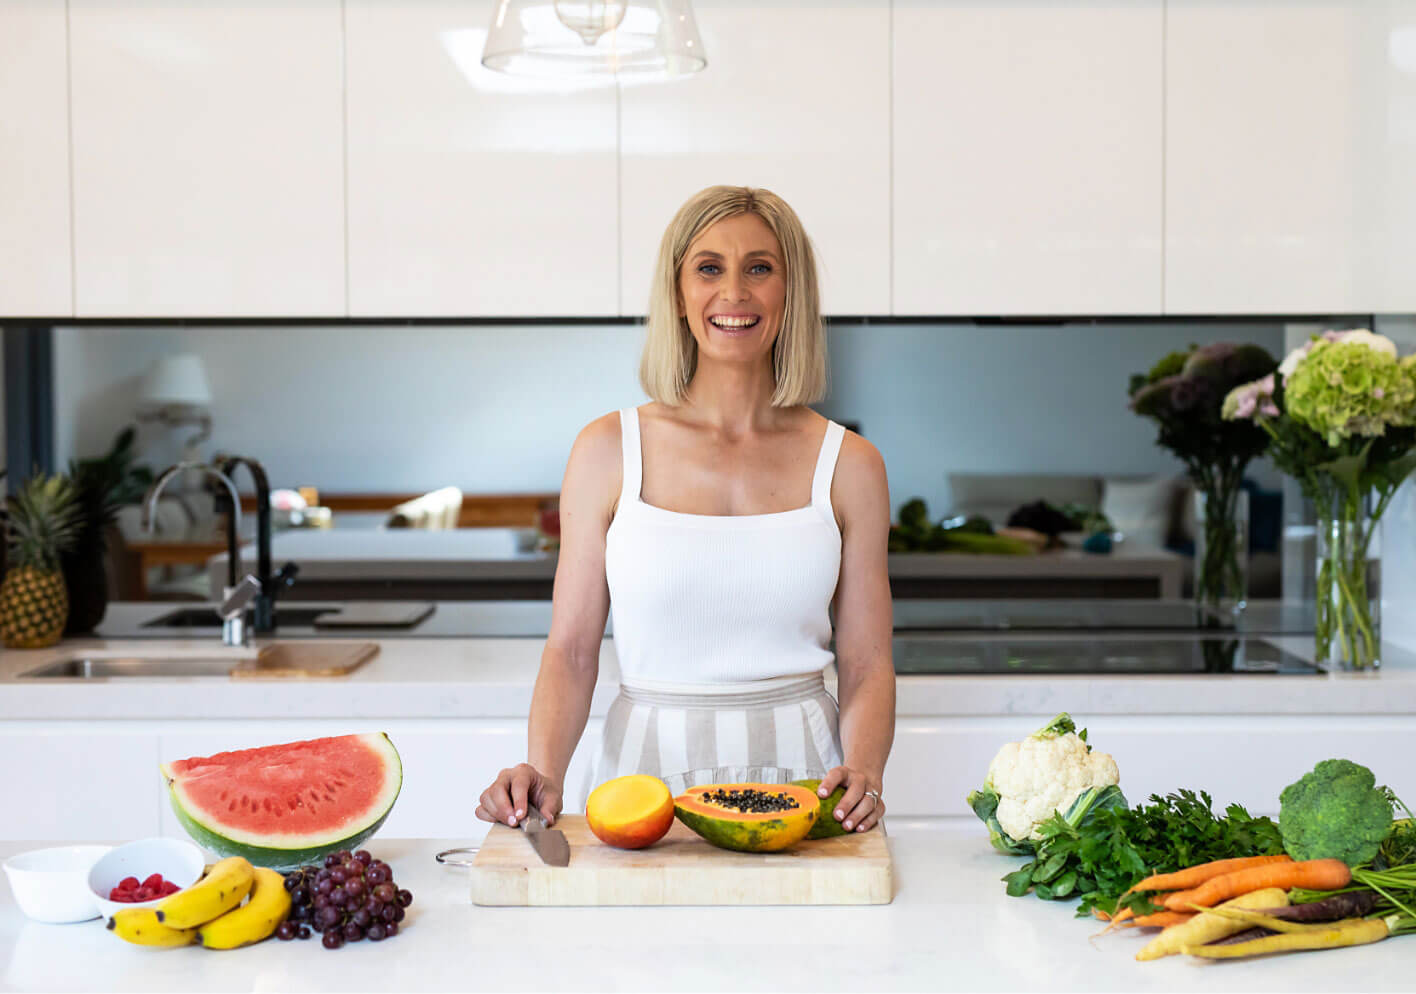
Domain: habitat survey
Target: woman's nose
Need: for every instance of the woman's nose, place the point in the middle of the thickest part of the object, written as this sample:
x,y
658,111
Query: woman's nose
x,y
734,288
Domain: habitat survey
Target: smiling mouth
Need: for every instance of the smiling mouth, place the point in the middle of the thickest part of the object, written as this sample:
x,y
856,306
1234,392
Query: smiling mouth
x,y
735,323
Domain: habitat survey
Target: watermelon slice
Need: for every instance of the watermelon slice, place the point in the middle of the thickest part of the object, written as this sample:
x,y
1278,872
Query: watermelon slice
x,y
283,806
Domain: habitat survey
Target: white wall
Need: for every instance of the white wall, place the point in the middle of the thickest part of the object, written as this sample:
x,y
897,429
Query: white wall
x,y
495,409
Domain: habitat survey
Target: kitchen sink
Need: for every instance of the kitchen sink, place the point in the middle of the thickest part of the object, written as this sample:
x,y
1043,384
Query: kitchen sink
x,y
206,617
83,668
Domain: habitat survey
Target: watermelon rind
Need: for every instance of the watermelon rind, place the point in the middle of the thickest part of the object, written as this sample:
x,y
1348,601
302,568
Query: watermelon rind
x,y
207,832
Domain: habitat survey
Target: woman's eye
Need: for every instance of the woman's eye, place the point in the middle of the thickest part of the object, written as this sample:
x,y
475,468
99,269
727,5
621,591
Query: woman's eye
x,y
761,268
704,269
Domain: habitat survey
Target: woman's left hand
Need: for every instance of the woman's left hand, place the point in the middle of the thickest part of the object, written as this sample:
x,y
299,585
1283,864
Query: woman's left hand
x,y
861,806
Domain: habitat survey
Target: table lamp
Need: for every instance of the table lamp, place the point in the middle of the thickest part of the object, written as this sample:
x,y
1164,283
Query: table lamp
x,y
175,393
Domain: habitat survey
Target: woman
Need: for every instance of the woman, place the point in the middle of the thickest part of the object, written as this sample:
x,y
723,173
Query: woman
x,y
721,522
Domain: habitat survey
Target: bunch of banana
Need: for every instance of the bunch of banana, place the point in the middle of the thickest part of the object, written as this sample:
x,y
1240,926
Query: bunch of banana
x,y
210,911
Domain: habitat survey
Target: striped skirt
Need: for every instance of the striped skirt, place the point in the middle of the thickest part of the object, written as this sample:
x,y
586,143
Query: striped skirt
x,y
670,729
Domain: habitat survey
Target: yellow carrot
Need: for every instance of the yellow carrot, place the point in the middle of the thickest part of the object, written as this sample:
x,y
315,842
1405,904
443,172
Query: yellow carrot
x,y
1349,932
1208,927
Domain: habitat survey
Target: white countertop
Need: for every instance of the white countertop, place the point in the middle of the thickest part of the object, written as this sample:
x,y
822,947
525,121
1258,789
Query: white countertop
x,y
950,927
493,677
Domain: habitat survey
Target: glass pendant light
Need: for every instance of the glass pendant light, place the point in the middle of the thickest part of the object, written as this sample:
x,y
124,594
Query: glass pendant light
x,y
593,38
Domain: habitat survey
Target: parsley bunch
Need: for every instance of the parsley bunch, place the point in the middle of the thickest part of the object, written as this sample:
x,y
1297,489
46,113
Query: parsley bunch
x,y
1113,847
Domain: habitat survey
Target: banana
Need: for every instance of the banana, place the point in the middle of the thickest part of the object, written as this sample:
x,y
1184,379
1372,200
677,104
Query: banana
x,y
253,921
141,927
215,894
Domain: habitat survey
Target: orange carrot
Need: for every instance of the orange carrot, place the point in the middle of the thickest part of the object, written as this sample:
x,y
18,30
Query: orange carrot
x,y
1313,874
1101,914
1160,919
1193,876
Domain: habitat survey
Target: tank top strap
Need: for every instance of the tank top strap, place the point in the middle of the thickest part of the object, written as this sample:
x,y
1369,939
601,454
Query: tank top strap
x,y
826,468
633,461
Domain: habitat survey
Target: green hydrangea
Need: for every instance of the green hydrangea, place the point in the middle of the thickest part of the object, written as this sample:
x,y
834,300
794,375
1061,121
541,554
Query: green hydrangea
x,y
1346,389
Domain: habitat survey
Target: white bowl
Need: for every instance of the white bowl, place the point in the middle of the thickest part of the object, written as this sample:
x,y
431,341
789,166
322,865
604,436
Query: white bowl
x,y
51,885
177,860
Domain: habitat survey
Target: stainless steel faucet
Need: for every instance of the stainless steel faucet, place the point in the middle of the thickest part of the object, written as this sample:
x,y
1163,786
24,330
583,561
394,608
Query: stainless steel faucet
x,y
237,597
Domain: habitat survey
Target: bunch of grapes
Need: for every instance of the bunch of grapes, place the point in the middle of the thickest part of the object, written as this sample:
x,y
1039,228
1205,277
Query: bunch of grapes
x,y
351,897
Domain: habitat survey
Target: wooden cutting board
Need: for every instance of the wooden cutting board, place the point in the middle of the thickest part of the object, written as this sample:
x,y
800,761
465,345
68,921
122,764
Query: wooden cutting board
x,y
680,869
306,660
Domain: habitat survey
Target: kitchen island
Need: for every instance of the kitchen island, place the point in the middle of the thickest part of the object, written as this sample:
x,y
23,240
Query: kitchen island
x,y
950,927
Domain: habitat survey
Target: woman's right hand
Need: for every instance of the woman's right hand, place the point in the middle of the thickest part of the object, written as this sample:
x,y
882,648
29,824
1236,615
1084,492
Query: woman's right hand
x,y
507,798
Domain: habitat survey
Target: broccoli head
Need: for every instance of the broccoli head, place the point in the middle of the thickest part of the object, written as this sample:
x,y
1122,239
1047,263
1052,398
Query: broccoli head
x,y
1337,811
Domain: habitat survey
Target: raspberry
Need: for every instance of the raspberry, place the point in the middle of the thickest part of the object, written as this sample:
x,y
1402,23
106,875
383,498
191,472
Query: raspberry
x,y
153,882
128,883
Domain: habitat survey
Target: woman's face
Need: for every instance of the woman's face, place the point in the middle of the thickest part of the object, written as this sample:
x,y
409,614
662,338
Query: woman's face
x,y
733,289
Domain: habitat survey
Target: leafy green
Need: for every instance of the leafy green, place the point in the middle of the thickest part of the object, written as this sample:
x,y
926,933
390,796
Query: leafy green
x,y
985,804
1110,847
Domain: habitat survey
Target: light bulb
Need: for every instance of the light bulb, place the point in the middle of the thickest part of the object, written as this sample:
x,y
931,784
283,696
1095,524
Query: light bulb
x,y
591,18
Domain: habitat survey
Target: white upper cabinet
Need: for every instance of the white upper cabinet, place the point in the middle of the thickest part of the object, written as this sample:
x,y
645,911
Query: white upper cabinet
x,y
1027,158
208,158
35,261
795,98
472,193
1290,156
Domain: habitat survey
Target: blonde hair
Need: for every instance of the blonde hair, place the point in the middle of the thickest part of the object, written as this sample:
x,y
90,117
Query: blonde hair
x,y
670,355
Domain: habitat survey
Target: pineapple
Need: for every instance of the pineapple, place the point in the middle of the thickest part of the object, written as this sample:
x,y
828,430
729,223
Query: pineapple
x,y
43,523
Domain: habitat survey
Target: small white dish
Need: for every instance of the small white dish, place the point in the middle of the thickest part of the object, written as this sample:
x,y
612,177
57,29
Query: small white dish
x,y
177,860
51,885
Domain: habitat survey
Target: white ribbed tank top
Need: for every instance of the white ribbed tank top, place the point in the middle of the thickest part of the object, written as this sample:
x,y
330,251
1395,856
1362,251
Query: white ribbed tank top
x,y
708,599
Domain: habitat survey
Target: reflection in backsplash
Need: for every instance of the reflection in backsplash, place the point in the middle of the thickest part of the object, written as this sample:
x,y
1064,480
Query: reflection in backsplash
x,y
496,408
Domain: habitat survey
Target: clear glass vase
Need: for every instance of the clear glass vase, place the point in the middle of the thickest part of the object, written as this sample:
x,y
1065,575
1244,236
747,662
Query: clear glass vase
x,y
1347,625
1221,555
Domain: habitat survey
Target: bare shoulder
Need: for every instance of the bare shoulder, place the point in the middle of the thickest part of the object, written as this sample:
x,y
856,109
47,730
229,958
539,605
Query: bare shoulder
x,y
860,490
594,471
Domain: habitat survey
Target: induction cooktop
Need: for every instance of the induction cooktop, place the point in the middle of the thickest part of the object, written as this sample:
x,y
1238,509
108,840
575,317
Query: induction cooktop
x,y
921,654
1260,618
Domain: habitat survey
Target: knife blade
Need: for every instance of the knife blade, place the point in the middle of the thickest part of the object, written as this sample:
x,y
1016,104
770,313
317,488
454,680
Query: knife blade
x,y
550,843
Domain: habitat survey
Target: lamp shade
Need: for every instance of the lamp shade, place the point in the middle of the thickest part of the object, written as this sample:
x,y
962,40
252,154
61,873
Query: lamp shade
x,y
589,38
175,381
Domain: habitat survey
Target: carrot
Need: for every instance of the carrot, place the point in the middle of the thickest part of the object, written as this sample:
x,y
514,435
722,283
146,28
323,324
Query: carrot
x,y
1350,932
1193,876
1160,919
1315,874
1101,914
1207,927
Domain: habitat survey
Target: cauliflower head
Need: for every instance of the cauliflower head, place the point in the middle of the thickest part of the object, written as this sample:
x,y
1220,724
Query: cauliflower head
x,y
1045,772
1336,811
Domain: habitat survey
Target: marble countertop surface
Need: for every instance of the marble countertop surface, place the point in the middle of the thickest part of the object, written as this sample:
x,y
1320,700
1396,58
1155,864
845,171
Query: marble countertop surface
x,y
950,927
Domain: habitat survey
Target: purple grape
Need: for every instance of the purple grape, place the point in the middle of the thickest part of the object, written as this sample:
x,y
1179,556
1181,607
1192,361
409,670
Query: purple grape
x,y
398,914
405,898
338,875
376,931
324,886
332,860
327,917
387,893
352,867
374,906
354,886
391,929
377,873
362,918
339,898
305,932
364,856
390,913
333,939
353,933
286,930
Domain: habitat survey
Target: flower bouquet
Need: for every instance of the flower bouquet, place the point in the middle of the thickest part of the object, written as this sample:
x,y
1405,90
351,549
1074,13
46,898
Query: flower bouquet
x,y
1341,414
1184,394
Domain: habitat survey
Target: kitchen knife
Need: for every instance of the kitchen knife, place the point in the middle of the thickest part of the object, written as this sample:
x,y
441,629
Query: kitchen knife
x,y
550,843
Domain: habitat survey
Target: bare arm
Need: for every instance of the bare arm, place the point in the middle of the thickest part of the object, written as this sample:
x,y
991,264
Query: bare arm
x,y
580,604
864,623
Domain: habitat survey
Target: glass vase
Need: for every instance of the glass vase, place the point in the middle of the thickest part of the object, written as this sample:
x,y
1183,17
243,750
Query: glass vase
x,y
1221,555
1347,624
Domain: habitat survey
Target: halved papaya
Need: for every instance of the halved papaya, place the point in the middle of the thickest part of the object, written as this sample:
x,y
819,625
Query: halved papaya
x,y
749,817
826,827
